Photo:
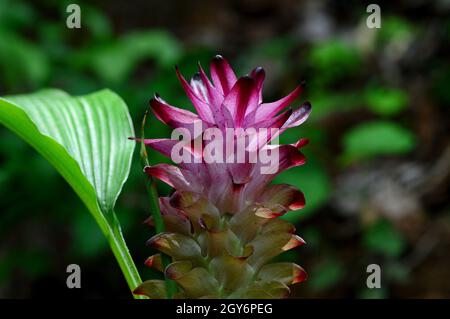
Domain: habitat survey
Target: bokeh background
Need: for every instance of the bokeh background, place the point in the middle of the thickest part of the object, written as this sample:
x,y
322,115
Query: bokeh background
x,y
378,175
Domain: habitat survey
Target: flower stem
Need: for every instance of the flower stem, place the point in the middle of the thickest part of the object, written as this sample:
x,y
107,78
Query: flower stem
x,y
171,285
159,228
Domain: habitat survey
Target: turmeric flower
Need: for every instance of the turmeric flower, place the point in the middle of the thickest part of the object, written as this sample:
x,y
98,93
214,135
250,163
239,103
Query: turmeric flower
x,y
221,219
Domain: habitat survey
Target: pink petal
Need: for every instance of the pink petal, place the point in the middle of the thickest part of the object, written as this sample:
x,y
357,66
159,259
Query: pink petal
x,y
273,126
165,146
201,106
199,88
244,95
267,110
301,142
259,75
240,172
171,115
221,115
300,275
221,181
222,75
161,145
167,209
289,156
175,219
274,122
173,176
286,196
214,97
298,116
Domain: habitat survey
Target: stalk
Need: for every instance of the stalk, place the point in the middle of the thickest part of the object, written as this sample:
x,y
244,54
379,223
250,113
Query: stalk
x,y
155,211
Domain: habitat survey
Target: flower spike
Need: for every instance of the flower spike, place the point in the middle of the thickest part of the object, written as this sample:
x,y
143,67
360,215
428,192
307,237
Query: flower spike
x,y
222,225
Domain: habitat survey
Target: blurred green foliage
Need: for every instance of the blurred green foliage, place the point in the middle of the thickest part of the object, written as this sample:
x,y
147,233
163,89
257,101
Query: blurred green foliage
x,y
326,275
395,28
114,61
376,138
21,61
440,87
334,61
383,238
384,101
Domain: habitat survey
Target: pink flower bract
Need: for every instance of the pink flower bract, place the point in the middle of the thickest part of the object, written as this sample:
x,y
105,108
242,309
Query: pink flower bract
x,y
227,102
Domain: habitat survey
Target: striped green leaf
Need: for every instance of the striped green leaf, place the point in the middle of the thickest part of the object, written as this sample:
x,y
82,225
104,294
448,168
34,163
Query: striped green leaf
x,y
85,139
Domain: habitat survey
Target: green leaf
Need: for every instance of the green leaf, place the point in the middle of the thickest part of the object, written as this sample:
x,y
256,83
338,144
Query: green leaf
x,y
377,138
93,129
85,139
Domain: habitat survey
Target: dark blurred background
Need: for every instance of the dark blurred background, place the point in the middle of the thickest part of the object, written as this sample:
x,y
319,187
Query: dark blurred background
x,y
377,179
